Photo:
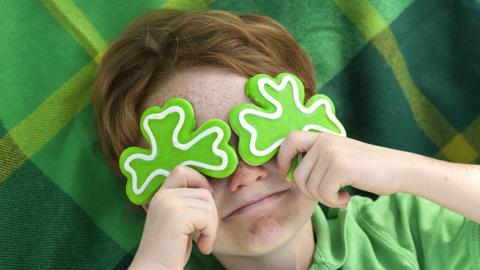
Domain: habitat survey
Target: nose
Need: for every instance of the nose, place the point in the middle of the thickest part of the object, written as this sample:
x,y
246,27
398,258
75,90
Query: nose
x,y
246,175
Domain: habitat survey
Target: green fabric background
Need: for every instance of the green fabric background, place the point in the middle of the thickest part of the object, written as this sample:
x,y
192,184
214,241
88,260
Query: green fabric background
x,y
402,74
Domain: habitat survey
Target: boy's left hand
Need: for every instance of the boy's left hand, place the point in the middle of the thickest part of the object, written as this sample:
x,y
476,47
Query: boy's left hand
x,y
332,162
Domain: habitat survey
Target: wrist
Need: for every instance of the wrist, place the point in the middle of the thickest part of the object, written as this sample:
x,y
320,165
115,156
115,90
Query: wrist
x,y
144,262
416,173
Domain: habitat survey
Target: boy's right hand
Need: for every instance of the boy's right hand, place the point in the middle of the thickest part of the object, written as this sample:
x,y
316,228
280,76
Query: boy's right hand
x,y
182,209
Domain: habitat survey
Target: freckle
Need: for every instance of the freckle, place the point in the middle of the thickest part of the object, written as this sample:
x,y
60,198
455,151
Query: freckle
x,y
268,222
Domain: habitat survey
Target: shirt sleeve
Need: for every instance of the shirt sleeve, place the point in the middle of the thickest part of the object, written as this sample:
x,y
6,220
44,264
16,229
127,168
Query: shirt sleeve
x,y
437,237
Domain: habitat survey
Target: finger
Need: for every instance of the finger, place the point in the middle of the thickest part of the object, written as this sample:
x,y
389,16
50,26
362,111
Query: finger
x,y
198,193
306,165
205,196
196,218
184,193
197,198
330,190
205,225
316,178
195,235
208,231
207,238
196,204
295,142
183,176
205,243
301,185
338,199
204,202
343,198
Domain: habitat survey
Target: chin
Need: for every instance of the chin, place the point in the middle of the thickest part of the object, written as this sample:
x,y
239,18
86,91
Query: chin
x,y
265,229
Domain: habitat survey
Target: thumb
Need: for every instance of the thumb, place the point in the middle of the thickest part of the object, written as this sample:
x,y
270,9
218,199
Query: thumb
x,y
343,197
295,142
205,243
186,177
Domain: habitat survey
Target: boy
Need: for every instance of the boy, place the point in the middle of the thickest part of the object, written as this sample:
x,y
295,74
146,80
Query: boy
x,y
255,219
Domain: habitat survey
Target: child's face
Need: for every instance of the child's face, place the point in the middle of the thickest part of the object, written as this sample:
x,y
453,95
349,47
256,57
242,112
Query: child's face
x,y
263,226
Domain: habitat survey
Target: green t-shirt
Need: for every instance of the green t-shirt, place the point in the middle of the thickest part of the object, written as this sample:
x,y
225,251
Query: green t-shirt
x,y
393,232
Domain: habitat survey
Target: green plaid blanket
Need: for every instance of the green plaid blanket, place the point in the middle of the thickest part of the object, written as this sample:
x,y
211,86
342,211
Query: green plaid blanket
x,y
403,74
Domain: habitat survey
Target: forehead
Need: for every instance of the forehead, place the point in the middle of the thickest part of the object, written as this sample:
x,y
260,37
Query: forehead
x,y
211,91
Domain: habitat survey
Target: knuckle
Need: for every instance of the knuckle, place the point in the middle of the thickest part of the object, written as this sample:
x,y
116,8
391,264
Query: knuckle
x,y
337,162
327,200
157,198
324,136
328,195
312,184
327,141
161,199
205,194
293,136
295,133
299,176
327,146
321,198
176,214
179,171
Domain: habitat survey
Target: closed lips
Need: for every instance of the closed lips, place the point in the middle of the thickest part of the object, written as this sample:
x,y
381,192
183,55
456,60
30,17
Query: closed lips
x,y
256,199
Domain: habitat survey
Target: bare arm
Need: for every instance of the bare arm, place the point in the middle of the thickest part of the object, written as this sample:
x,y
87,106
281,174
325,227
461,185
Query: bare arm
x,y
452,185
332,162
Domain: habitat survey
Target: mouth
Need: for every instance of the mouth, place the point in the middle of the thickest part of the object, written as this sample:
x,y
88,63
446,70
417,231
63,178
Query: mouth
x,y
256,202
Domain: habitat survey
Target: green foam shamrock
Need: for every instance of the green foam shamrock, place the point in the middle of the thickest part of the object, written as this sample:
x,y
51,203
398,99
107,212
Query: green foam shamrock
x,y
169,132
280,109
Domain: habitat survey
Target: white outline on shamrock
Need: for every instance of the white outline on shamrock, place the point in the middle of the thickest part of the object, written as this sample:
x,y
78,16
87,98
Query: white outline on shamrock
x,y
279,111
158,116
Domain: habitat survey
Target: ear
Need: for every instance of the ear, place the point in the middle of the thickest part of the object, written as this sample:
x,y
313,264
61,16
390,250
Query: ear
x,y
145,207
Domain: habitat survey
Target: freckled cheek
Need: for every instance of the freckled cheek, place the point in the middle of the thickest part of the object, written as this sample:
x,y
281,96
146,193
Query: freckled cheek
x,y
268,222
267,228
286,215
262,230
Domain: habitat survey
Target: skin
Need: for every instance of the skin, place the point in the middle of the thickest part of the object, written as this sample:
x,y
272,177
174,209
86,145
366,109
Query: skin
x,y
273,237
278,234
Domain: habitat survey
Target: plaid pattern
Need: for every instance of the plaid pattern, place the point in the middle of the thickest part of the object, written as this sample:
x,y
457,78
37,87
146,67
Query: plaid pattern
x,y
403,74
